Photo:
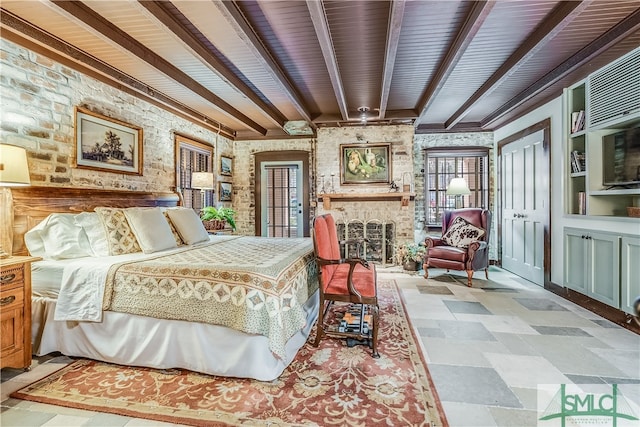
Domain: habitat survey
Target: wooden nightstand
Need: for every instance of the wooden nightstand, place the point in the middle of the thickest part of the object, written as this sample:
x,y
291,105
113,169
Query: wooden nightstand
x,y
15,311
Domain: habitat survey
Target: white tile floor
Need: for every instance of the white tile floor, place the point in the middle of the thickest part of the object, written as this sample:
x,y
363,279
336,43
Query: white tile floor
x,y
489,348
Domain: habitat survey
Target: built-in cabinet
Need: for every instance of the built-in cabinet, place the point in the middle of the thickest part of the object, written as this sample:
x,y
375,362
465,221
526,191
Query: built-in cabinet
x,y
597,109
592,264
629,272
604,266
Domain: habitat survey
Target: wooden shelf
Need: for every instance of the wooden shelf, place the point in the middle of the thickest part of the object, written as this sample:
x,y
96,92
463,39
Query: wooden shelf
x,y
403,197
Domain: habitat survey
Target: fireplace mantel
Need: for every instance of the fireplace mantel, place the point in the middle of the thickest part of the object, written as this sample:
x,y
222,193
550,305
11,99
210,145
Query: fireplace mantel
x,y
403,197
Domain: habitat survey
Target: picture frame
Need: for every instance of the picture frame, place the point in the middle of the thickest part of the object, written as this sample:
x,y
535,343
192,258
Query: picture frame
x,y
224,191
106,144
365,163
226,165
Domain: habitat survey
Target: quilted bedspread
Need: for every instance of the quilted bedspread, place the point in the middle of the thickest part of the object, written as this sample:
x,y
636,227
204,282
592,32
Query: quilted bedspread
x,y
252,284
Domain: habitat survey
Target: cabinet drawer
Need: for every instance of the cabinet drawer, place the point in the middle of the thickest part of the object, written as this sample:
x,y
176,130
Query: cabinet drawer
x,y
11,298
11,277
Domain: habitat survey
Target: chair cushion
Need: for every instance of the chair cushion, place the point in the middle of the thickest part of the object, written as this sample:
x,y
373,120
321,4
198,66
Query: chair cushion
x,y
448,252
364,281
461,233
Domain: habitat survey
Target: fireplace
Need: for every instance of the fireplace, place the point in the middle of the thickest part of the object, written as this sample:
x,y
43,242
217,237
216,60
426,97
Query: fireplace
x,y
381,238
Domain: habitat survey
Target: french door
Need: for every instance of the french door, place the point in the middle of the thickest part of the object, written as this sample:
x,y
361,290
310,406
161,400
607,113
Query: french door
x,y
281,199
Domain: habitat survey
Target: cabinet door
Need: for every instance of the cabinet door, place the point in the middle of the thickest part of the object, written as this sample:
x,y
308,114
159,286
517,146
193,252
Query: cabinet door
x,y
575,256
629,272
603,268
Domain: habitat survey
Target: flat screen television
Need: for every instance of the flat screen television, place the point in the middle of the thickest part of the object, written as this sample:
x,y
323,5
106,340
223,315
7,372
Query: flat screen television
x,y
621,158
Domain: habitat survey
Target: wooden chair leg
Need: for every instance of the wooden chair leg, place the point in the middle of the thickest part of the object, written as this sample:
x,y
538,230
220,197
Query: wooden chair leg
x,y
469,277
320,324
426,271
375,310
486,273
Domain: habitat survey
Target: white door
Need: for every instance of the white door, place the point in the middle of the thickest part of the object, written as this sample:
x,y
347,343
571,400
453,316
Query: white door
x,y
281,202
525,206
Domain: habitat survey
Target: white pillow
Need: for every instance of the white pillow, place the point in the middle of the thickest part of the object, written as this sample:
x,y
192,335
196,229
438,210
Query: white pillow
x,y
189,225
58,237
92,225
150,228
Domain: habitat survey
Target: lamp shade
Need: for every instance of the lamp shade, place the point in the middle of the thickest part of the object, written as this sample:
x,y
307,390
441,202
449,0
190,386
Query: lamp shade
x,y
458,187
14,169
202,180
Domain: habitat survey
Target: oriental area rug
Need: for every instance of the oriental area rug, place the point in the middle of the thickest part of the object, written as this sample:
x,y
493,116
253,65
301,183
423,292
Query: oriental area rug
x,y
331,385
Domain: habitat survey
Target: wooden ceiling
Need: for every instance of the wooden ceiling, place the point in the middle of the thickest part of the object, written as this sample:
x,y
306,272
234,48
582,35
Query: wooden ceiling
x,y
252,69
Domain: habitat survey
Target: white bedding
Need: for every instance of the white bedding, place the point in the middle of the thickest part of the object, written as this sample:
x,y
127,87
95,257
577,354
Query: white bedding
x,y
131,339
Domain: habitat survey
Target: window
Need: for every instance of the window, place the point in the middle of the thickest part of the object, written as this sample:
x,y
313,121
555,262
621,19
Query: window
x,y
193,156
442,165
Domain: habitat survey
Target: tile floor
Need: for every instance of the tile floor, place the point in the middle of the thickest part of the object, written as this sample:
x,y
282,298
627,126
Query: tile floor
x,y
492,351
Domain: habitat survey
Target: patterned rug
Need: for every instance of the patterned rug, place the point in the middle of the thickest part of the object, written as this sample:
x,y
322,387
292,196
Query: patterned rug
x,y
332,385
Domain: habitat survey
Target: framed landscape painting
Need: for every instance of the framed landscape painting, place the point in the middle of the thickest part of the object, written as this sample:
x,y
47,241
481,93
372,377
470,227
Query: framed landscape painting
x,y
224,191
365,163
226,164
106,144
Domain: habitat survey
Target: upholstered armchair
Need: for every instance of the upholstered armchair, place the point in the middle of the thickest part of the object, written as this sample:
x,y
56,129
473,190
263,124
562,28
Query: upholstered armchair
x,y
464,243
345,280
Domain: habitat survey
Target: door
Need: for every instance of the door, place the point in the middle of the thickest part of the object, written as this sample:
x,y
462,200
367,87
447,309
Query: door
x,y
281,199
525,206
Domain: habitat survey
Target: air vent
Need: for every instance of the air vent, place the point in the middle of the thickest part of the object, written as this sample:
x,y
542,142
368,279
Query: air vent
x,y
614,91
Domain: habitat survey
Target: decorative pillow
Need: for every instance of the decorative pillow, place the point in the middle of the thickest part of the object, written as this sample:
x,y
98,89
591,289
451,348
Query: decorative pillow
x,y
461,233
175,233
92,226
151,229
58,237
188,225
120,237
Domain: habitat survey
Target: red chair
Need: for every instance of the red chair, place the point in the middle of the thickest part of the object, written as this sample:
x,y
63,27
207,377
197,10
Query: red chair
x,y
351,280
472,251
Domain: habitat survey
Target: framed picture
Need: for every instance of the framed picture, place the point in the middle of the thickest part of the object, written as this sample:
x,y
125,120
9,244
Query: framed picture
x,y
226,164
224,190
106,144
365,163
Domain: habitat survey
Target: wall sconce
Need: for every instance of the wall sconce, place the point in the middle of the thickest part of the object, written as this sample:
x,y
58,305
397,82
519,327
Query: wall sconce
x,y
203,181
458,187
14,172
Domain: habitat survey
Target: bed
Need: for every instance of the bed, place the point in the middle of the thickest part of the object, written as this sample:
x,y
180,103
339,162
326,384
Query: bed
x,y
238,306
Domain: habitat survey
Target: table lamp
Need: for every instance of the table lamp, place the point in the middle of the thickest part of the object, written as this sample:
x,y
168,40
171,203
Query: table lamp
x,y
203,181
14,172
458,187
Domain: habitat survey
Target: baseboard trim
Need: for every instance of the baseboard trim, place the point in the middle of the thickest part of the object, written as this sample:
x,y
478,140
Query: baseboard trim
x,y
612,314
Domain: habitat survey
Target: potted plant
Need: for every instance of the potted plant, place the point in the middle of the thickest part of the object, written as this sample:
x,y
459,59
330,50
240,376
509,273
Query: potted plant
x,y
215,218
410,255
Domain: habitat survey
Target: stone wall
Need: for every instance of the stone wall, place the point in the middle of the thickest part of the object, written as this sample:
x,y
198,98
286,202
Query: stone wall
x,y
38,100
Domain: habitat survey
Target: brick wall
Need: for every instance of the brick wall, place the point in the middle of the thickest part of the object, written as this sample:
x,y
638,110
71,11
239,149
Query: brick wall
x,y
38,100
328,162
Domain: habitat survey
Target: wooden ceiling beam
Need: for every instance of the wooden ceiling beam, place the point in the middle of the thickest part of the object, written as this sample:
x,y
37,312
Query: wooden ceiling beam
x,y
86,15
473,22
393,38
589,53
556,20
321,27
204,54
25,34
244,29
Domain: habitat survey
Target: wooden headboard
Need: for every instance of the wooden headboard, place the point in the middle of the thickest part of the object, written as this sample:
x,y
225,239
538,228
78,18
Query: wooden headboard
x,y
33,204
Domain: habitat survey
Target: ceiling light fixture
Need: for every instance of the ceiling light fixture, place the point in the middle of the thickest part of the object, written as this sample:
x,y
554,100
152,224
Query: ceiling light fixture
x,y
363,113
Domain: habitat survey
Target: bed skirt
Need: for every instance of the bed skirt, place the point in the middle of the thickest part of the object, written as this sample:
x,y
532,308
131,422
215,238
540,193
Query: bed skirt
x,y
133,340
